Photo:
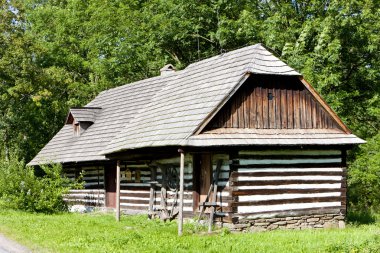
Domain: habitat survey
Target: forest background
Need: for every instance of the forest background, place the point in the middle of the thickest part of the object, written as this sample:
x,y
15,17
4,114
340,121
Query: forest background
x,y
57,54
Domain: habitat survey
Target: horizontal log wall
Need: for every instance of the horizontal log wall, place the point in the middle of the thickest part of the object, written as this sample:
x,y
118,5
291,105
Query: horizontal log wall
x,y
93,193
135,195
92,176
85,197
224,197
268,183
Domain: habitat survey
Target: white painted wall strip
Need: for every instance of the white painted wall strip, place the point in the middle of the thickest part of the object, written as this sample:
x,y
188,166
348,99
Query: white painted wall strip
x,y
169,200
291,152
84,195
290,161
292,186
305,178
185,208
92,201
288,196
95,191
223,183
147,192
291,170
266,208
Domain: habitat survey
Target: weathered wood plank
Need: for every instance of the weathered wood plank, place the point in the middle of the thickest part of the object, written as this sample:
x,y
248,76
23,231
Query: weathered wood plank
x,y
281,182
293,212
259,108
295,165
290,201
297,109
271,106
264,96
290,108
285,173
252,111
284,106
278,108
285,191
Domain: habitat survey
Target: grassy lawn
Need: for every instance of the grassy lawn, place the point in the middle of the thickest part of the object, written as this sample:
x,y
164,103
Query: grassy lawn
x,y
100,233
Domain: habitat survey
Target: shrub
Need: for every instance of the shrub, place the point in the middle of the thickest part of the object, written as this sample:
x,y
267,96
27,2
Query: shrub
x,y
364,178
21,189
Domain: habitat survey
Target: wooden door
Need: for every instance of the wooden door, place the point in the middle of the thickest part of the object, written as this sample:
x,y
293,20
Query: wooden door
x,y
110,178
205,176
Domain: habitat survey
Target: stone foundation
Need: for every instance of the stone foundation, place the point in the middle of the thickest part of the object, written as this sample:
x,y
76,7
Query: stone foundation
x,y
300,222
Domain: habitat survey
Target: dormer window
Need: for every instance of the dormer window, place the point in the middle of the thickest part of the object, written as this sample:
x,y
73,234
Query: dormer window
x,y
76,129
82,118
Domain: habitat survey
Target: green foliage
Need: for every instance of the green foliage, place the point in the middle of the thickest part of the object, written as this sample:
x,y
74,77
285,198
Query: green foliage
x,y
360,216
370,245
364,177
101,233
21,189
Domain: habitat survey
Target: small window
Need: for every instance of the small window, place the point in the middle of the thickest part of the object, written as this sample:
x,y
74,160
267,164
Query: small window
x,y
76,129
270,96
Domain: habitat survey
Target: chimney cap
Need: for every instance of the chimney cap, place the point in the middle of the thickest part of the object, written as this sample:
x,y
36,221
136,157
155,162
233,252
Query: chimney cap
x,y
167,69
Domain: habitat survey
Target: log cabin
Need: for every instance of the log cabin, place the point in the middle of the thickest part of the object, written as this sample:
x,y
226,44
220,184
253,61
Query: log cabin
x,y
245,123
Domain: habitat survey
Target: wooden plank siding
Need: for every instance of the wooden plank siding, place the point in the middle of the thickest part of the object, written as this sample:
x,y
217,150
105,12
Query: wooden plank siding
x,y
224,195
85,197
273,102
135,190
267,183
93,193
93,176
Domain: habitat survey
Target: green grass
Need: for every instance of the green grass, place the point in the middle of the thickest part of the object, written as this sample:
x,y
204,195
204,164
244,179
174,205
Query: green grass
x,y
100,233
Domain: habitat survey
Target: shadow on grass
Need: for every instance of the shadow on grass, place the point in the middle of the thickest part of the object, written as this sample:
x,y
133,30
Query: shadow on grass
x,y
361,217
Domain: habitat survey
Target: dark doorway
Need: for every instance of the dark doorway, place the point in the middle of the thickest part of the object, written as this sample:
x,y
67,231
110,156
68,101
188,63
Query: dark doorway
x,y
202,178
110,176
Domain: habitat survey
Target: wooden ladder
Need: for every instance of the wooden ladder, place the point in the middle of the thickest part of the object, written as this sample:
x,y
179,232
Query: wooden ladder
x,y
211,203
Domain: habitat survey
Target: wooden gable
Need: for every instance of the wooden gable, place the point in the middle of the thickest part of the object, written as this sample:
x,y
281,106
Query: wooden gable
x,y
275,102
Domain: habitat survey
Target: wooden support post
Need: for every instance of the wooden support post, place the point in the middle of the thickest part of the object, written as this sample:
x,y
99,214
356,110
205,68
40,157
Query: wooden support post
x,y
151,193
118,190
151,199
181,183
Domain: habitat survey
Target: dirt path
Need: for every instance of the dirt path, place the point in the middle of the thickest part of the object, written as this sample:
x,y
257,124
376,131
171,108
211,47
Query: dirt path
x,y
9,246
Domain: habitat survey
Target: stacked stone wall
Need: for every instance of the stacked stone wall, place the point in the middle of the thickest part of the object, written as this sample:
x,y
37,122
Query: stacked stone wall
x,y
318,221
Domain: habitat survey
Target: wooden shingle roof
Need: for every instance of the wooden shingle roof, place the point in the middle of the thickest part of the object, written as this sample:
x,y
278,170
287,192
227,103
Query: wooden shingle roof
x,y
169,110
83,114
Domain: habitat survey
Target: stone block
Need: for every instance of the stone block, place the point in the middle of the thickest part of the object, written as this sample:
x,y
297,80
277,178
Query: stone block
x,y
289,218
291,221
261,224
340,217
292,226
280,223
330,225
272,226
256,229
312,220
273,220
341,224
240,226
